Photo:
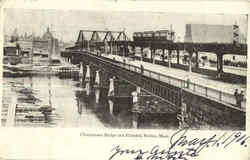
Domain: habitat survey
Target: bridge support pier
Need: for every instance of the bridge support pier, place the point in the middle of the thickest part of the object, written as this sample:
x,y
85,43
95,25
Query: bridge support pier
x,y
70,60
200,109
142,53
87,88
97,79
111,106
87,75
178,56
81,74
111,94
190,61
133,50
169,57
104,79
219,65
88,47
87,81
97,95
189,66
182,114
97,86
163,55
196,59
138,90
135,120
153,56
136,97
111,48
115,49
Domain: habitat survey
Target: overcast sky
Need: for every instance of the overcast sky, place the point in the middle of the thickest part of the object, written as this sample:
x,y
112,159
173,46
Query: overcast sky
x,y
66,24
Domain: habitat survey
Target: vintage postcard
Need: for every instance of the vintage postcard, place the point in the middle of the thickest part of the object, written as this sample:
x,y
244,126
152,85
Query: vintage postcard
x,y
118,83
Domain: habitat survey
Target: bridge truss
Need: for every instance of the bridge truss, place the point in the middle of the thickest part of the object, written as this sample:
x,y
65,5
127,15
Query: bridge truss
x,y
117,42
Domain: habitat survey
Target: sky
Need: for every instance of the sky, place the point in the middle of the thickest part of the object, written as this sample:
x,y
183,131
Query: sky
x,y
66,24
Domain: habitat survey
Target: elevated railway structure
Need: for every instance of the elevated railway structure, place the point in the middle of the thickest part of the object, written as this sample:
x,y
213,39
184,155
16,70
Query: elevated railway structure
x,y
117,42
107,41
194,101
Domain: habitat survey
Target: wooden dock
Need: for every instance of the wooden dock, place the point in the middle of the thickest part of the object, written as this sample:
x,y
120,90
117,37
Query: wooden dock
x,y
10,121
9,105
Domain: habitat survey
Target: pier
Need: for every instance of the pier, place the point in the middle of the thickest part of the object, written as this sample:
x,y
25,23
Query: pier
x,y
9,110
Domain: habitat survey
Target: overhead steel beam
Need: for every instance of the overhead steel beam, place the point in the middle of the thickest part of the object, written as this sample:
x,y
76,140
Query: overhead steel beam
x,y
111,36
125,37
103,31
95,36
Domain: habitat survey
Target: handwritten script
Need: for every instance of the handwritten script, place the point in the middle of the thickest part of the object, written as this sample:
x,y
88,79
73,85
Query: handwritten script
x,y
181,146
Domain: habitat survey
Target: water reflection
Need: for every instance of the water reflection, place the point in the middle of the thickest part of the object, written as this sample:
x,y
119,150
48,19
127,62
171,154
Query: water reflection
x,y
97,95
48,101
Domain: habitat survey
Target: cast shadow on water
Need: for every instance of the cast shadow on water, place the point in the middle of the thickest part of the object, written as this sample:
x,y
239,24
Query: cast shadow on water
x,y
122,117
35,95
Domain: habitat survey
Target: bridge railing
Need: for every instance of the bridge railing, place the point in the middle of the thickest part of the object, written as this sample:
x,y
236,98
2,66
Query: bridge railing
x,y
194,87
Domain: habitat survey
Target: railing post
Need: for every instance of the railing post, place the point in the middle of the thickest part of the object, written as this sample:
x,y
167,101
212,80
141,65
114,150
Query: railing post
x,y
113,68
220,96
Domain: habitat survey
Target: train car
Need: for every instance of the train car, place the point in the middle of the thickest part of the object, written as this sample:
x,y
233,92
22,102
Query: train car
x,y
161,35
148,36
137,36
164,35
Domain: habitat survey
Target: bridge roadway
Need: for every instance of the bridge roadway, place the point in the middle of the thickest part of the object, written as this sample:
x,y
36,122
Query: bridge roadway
x,y
227,69
199,84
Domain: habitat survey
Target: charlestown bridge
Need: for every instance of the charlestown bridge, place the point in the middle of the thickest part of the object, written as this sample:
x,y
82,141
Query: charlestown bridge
x,y
196,96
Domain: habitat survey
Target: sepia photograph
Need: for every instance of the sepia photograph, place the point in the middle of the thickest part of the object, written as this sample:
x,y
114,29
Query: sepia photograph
x,y
124,70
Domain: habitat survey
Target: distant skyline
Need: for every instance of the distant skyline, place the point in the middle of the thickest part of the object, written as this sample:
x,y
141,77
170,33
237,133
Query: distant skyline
x,y
66,25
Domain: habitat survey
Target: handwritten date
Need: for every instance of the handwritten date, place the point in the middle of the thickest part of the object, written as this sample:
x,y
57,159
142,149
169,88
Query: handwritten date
x,y
181,147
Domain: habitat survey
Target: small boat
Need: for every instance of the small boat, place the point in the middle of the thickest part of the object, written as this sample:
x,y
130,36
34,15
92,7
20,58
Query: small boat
x,y
13,74
46,109
26,91
35,116
29,98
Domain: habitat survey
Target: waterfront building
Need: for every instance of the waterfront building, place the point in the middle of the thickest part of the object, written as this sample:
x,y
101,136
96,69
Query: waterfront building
x,y
31,47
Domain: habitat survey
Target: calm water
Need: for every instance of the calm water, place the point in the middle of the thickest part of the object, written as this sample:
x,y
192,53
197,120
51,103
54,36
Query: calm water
x,y
73,108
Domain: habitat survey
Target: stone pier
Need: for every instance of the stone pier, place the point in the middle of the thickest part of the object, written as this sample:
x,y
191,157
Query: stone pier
x,y
97,86
87,81
81,74
135,99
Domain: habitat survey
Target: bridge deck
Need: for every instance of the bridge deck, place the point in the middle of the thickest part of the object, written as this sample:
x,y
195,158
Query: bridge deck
x,y
227,69
200,84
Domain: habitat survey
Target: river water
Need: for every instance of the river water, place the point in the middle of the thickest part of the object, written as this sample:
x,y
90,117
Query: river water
x,y
72,107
